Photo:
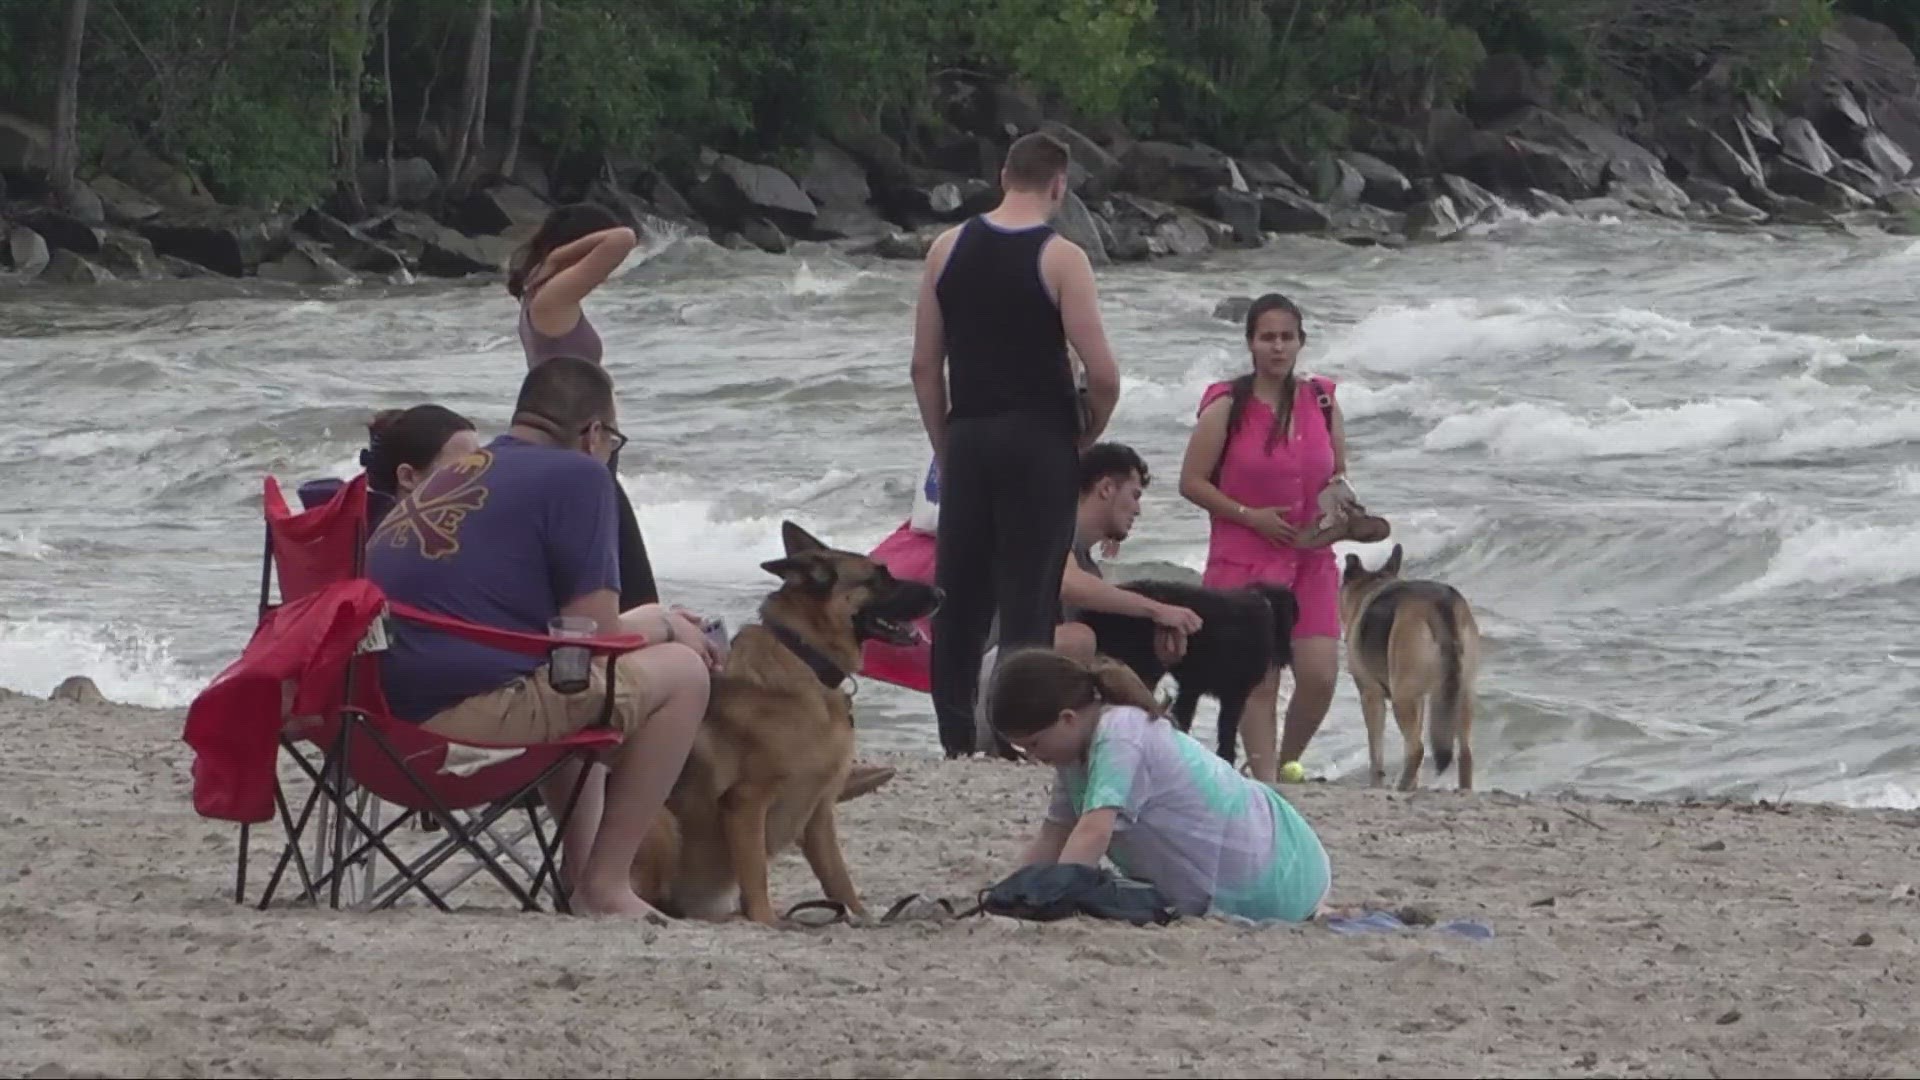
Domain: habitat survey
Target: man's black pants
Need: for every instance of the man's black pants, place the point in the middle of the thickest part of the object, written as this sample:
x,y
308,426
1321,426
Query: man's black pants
x,y
1009,492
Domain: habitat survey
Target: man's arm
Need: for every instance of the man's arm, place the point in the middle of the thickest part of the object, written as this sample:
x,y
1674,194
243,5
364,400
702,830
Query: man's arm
x,y
1069,272
581,542
930,346
1083,590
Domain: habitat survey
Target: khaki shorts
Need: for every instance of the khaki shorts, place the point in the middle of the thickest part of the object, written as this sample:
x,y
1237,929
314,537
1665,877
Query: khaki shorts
x,y
529,711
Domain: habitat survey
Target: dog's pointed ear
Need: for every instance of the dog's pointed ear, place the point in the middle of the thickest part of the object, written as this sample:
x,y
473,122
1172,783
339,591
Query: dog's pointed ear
x,y
1353,567
1392,565
798,540
805,571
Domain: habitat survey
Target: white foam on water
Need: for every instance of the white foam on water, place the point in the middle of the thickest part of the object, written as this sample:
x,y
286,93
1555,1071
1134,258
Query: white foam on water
x,y
807,281
1416,337
1790,423
1836,556
129,664
694,537
25,545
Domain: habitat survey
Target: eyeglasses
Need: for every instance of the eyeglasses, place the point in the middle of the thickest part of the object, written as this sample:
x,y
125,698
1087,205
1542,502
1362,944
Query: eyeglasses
x,y
614,433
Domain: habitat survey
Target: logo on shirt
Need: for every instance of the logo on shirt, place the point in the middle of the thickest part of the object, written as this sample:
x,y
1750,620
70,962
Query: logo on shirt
x,y
429,518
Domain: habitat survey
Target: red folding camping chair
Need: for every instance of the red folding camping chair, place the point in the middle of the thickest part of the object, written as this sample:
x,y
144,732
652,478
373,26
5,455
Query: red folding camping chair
x,y
321,646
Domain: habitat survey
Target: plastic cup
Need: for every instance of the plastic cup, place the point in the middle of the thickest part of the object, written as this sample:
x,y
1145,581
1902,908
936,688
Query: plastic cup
x,y
568,670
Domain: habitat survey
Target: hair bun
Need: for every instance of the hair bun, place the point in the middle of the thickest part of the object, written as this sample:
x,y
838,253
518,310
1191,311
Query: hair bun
x,y
383,420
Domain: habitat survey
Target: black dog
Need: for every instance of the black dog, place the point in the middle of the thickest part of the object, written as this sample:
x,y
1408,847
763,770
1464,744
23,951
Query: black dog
x,y
1244,633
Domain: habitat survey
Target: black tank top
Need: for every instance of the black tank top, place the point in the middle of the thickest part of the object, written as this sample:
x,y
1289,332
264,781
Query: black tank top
x,y
1006,348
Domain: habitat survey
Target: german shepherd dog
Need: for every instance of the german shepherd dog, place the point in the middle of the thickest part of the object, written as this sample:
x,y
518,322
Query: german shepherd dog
x,y
1411,642
772,754
1244,633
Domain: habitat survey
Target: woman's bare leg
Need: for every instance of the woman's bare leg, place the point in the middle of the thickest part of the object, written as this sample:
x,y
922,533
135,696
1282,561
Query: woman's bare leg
x,y
1316,664
1258,720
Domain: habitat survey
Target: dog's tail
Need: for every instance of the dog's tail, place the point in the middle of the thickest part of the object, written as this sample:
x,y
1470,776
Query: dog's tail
x,y
1450,704
1286,612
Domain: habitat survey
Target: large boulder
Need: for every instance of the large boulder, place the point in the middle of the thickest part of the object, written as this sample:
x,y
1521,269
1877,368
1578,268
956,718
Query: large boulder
x,y
131,256
1382,184
231,241
1240,212
1471,202
1796,180
1184,174
306,263
1147,228
1075,222
1801,143
1094,169
125,205
502,210
734,189
1283,210
834,180
27,252
25,145
66,232
69,269
415,181
1335,181
1436,219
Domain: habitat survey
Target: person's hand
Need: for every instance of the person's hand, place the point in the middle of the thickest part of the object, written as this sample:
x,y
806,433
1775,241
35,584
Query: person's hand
x,y
1266,521
1109,549
684,631
1171,617
1169,645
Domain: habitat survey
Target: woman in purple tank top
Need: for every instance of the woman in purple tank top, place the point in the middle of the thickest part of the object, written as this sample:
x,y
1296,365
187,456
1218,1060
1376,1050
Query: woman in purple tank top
x,y
577,248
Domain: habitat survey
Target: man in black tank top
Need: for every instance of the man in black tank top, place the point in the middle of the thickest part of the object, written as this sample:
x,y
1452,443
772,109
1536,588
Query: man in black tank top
x,y
1001,299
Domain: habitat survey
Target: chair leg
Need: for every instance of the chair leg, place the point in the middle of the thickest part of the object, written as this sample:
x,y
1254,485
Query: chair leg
x,y
296,832
240,872
550,861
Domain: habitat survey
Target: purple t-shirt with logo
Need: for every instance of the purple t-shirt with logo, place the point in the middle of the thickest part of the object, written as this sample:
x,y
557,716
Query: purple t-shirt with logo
x,y
502,537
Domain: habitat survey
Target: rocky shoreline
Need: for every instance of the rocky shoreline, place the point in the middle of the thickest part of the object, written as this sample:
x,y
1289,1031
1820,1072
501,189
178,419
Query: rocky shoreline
x,y
1838,151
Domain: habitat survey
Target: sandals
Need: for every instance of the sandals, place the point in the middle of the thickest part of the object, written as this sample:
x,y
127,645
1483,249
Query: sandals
x,y
1359,527
913,907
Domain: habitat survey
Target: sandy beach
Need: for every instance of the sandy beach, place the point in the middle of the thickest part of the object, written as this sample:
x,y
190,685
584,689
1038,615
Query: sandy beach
x,y
1629,940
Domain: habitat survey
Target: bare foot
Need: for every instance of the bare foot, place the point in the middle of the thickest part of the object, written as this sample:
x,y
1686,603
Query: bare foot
x,y
618,901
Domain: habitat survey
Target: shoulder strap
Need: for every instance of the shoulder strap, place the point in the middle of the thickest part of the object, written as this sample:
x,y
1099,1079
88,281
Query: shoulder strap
x,y
1324,399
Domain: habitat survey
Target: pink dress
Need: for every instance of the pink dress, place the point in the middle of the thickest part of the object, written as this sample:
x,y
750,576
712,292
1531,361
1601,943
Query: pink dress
x,y
1291,477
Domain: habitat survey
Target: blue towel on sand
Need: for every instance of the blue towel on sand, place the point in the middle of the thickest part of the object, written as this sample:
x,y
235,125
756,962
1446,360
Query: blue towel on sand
x,y
1386,922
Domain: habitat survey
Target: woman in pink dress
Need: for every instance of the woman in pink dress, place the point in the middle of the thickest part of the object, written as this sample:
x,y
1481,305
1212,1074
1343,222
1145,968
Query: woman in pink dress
x,y
1258,469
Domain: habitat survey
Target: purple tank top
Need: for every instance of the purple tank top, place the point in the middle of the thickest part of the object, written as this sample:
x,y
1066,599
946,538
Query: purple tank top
x,y
582,341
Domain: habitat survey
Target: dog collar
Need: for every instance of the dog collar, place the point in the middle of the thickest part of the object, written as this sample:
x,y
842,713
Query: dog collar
x,y
828,672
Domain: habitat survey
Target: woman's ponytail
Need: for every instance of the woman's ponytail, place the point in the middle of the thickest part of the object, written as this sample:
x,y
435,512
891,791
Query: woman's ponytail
x,y
1118,685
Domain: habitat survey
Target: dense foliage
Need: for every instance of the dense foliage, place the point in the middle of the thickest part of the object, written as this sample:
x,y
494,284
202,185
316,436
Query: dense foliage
x,y
280,100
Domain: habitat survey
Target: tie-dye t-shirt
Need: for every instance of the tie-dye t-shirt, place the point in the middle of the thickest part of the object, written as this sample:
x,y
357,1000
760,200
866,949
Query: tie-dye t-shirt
x,y
1211,840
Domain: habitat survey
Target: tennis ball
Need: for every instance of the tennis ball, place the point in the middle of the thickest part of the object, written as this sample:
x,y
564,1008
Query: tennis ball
x,y
1292,773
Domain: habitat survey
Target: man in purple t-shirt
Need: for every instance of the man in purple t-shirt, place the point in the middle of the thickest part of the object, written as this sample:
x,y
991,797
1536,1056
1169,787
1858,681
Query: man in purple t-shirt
x,y
510,536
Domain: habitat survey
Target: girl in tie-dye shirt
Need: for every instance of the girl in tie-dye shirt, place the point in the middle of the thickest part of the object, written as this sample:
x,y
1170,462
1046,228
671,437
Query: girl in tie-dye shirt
x,y
1130,786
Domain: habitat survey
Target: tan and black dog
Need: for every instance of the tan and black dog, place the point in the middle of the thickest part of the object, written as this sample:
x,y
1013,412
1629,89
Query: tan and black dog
x,y
1411,642
774,750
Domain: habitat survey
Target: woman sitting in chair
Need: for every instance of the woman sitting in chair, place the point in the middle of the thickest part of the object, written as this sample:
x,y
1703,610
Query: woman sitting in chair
x,y
403,447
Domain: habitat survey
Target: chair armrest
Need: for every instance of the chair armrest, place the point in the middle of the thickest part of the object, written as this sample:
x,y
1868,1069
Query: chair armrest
x,y
514,640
